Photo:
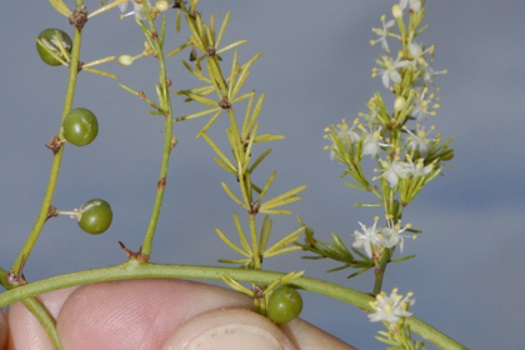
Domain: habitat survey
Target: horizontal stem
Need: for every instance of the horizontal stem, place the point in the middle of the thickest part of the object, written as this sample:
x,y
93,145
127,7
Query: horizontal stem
x,y
135,270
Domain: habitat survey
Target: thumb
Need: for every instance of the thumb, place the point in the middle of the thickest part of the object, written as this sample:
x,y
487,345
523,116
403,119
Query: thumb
x,y
229,329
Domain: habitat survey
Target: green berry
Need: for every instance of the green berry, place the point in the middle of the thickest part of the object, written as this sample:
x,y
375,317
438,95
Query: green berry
x,y
284,305
80,127
95,216
51,37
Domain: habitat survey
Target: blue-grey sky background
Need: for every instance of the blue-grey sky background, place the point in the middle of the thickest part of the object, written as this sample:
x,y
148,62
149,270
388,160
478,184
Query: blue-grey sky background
x,y
315,70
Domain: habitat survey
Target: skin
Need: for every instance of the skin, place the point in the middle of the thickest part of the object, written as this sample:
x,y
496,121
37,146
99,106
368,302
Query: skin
x,y
157,314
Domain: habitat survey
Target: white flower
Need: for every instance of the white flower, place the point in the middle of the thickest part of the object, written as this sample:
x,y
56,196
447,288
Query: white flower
x,y
383,32
390,70
391,236
427,77
418,141
422,108
419,169
393,171
418,54
372,143
348,134
391,308
414,5
367,239
138,9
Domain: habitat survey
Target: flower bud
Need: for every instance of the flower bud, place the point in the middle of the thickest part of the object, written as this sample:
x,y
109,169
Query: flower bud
x,y
162,5
397,12
447,155
125,60
399,103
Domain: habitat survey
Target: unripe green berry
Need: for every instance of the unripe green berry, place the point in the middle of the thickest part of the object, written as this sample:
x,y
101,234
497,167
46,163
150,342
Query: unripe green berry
x,y
51,37
284,305
80,127
95,216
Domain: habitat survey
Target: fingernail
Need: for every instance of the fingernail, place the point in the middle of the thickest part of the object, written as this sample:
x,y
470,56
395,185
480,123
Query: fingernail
x,y
235,336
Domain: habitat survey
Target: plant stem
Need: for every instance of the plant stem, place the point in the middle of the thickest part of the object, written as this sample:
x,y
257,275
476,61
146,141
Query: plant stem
x,y
380,270
165,103
57,159
46,319
135,270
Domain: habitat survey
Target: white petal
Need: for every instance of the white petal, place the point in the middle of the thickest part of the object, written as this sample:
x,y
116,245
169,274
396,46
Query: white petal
x,y
386,80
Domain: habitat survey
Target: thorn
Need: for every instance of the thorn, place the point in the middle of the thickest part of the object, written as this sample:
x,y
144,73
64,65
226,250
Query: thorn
x,y
141,258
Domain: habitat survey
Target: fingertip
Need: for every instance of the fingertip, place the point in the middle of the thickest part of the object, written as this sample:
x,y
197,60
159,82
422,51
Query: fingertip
x,y
228,329
308,336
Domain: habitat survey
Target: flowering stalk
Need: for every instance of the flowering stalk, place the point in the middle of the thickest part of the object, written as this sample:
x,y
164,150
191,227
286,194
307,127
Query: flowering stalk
x,y
392,136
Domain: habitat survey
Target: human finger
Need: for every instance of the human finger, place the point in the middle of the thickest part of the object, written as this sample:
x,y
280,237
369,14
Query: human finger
x,y
24,330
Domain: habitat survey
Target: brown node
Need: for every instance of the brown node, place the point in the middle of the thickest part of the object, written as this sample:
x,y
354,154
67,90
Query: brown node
x,y
173,142
142,95
79,17
148,50
245,142
254,208
141,258
211,51
194,15
393,154
393,124
224,103
18,278
153,105
155,36
161,183
52,212
54,145
258,291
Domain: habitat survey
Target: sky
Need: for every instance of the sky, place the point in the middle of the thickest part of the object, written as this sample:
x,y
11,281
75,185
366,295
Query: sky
x,y
314,71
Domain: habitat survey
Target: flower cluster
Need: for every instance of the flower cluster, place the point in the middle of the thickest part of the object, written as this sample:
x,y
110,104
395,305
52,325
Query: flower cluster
x,y
407,153
138,7
373,239
400,150
391,308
